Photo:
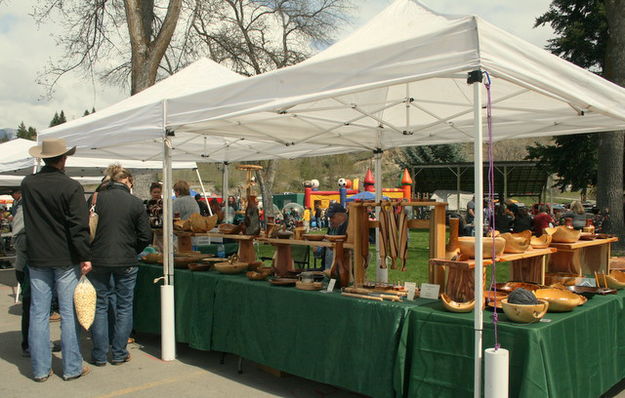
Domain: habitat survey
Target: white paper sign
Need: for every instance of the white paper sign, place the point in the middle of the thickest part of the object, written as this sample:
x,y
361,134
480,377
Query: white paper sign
x,y
429,291
411,287
331,285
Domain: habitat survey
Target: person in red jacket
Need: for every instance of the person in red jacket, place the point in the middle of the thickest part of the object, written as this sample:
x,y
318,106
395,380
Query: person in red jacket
x,y
541,221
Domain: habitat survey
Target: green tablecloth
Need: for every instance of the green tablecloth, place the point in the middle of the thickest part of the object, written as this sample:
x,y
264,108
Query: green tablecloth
x,y
577,354
387,349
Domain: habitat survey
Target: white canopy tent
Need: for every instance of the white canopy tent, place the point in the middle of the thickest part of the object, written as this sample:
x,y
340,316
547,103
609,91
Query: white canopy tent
x,y
10,181
400,80
17,162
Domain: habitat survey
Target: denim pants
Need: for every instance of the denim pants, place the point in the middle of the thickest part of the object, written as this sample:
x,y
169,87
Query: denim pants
x,y
43,280
123,289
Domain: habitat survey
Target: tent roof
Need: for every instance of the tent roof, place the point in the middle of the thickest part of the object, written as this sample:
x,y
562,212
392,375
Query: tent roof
x,y
524,178
7,182
17,161
400,80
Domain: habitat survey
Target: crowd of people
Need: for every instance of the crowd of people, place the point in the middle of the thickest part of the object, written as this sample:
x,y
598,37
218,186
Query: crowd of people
x,y
510,217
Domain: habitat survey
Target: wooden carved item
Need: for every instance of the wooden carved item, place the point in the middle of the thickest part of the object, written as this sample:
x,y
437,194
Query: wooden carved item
x,y
252,217
453,248
403,237
340,267
383,239
364,235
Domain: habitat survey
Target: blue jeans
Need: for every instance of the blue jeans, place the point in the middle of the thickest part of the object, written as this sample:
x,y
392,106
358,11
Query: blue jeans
x,y
43,281
123,289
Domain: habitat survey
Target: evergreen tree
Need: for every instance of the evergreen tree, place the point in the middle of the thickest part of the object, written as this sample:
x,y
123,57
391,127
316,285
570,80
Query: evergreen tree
x,y
21,130
93,109
428,154
86,112
55,120
62,117
29,133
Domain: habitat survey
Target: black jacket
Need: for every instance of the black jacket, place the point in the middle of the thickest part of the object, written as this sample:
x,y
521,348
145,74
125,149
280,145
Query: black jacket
x,y
56,219
123,228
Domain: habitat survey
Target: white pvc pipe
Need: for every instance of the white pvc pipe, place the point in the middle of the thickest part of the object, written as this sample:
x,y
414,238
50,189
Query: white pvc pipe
x,y
168,330
199,178
381,274
478,223
168,324
224,190
496,373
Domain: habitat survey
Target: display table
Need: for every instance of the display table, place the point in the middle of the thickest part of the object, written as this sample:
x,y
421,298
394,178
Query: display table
x,y
584,257
346,342
528,266
578,354
386,349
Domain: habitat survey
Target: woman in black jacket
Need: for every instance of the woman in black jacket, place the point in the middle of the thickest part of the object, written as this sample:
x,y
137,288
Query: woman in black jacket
x,y
123,232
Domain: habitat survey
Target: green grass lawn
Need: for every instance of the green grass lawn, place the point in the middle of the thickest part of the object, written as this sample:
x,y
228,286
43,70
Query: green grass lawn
x,y
418,256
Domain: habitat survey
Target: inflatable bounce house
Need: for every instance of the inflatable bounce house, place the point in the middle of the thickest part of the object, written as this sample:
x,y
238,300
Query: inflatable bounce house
x,y
348,188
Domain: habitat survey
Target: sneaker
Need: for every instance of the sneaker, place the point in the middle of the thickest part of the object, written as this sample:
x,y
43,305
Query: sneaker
x,y
26,352
55,346
131,340
55,317
44,378
126,359
85,371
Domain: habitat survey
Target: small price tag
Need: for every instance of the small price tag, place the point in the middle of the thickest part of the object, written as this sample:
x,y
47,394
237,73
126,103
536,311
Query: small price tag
x,y
429,291
331,285
411,287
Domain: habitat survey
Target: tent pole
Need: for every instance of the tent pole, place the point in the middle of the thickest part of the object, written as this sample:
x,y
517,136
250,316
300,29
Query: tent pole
x,y
381,273
478,222
458,188
199,178
224,190
505,182
168,329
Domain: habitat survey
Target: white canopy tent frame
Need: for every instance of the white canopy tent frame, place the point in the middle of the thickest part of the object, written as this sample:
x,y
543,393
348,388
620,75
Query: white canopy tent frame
x,y
407,48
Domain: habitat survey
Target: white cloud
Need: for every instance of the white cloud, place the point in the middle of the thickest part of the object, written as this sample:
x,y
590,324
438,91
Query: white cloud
x,y
27,49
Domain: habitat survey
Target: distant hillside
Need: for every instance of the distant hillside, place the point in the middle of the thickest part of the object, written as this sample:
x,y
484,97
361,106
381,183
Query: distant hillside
x,y
7,133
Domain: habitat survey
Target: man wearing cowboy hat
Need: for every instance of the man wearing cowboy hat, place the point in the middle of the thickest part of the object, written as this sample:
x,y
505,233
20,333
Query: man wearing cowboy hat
x,y
57,238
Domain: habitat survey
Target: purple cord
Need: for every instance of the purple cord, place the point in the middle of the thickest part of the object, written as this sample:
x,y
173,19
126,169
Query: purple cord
x,y
491,204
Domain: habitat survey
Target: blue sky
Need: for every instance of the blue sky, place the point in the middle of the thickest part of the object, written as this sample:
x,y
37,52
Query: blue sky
x,y
26,49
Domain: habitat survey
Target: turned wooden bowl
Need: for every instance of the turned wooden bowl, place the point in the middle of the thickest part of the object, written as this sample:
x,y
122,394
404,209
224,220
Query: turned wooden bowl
x,y
563,234
334,238
231,268
560,300
517,243
540,242
467,246
525,313
616,279
313,237
455,306
229,229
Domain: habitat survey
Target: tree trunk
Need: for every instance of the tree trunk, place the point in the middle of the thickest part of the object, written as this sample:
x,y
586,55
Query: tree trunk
x,y
266,179
611,145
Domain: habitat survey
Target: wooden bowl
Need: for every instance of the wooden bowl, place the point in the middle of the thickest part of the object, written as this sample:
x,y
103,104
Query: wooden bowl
x,y
467,246
256,275
334,238
308,286
283,281
563,278
491,297
313,237
284,234
509,287
231,268
563,234
525,313
454,306
616,279
517,243
560,300
540,242
229,229
153,258
199,266
587,236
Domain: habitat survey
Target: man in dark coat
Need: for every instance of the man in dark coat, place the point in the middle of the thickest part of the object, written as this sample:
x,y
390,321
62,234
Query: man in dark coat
x,y
57,244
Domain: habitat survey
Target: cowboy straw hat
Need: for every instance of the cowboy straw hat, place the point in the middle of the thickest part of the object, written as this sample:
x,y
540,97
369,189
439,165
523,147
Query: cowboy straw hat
x,y
51,148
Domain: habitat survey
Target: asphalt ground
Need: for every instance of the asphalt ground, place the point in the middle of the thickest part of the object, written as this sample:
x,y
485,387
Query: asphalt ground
x,y
194,373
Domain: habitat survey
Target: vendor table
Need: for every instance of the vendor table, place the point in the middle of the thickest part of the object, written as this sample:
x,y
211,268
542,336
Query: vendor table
x,y
528,266
584,257
386,349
